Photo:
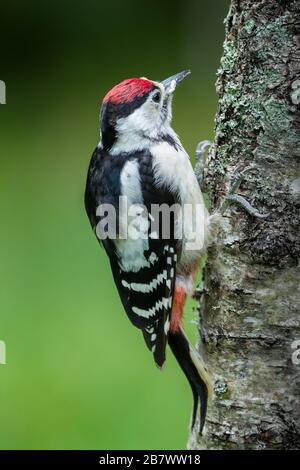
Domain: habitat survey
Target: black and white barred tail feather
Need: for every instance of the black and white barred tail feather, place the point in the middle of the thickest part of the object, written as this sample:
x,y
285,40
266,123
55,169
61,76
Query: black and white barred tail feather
x,y
195,371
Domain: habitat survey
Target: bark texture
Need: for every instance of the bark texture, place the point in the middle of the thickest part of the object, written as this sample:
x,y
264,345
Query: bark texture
x,y
250,310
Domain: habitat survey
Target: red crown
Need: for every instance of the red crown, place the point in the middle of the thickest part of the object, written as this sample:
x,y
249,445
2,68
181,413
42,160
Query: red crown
x,y
128,90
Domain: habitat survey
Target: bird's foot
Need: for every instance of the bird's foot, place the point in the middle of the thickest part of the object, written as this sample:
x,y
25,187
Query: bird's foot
x,y
201,155
233,198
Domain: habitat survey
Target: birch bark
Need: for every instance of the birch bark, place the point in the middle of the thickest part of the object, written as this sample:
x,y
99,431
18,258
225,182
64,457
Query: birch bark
x,y
250,311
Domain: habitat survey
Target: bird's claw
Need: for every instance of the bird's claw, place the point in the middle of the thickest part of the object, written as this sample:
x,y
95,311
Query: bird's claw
x,y
233,198
201,147
201,153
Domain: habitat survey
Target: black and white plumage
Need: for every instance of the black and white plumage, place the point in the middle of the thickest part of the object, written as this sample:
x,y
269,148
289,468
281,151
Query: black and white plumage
x,y
144,272
141,159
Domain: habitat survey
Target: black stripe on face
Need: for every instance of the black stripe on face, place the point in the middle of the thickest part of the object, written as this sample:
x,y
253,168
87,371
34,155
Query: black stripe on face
x,y
111,112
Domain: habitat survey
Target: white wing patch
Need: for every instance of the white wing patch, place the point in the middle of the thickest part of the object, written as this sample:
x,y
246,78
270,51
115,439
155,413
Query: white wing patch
x,y
131,251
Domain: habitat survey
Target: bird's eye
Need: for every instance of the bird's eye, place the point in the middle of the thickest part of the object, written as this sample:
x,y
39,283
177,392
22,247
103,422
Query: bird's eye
x,y
156,97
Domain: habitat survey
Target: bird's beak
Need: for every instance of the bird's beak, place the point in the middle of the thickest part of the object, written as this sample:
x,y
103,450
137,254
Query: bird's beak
x,y
171,83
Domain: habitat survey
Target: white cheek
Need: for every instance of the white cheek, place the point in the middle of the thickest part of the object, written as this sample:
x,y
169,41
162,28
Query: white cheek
x,y
144,119
148,118
134,130
144,124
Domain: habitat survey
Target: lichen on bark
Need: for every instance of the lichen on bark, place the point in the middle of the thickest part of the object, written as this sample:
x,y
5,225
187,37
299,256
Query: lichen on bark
x,y
250,315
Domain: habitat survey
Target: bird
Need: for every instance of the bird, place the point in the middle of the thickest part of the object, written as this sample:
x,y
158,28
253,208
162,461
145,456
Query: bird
x,y
146,209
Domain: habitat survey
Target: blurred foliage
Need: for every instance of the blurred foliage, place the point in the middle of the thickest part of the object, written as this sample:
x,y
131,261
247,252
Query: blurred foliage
x,y
78,374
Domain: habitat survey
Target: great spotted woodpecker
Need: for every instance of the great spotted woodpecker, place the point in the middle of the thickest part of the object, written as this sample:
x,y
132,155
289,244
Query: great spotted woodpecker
x,y
140,158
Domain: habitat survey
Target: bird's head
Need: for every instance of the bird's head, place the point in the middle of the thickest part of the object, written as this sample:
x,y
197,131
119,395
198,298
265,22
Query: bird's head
x,y
137,110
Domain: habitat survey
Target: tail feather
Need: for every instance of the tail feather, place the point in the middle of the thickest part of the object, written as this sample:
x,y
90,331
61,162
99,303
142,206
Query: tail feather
x,y
195,372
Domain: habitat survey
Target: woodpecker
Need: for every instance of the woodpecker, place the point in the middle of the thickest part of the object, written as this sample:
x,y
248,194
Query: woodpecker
x,y
141,159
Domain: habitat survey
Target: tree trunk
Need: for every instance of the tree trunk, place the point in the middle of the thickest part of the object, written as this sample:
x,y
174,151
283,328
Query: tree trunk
x,y
250,310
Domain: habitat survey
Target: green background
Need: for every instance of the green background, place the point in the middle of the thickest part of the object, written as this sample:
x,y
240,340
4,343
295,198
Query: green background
x,y
78,374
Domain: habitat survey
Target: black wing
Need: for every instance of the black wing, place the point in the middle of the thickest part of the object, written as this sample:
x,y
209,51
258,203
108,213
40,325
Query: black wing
x,y
147,294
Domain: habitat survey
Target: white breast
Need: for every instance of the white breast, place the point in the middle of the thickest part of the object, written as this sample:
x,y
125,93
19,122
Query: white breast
x,y
172,167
